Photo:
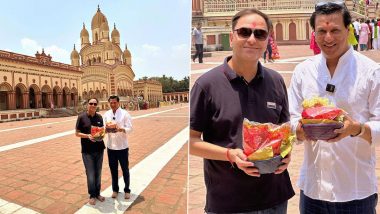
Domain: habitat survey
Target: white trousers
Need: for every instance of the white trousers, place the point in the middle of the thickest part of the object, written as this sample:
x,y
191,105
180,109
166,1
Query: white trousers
x,y
376,43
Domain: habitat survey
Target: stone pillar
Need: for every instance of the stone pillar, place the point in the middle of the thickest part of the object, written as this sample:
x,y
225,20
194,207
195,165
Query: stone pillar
x,y
49,99
68,100
11,100
38,100
59,100
75,100
25,101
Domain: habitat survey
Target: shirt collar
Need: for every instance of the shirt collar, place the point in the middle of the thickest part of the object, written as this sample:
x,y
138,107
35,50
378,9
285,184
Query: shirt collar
x,y
344,58
89,115
231,74
118,109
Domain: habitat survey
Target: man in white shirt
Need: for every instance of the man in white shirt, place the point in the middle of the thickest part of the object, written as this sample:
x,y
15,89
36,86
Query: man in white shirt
x,y
338,175
118,125
357,31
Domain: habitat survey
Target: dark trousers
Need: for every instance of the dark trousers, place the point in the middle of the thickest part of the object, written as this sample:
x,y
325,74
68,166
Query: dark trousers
x,y
93,164
114,158
198,52
278,209
357,39
363,206
269,50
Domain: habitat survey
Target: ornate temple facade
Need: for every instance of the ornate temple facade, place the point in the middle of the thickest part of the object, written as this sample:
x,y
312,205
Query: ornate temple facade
x,y
37,82
107,69
290,18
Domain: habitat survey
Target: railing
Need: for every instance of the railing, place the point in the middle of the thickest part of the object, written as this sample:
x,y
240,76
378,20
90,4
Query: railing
x,y
226,6
212,7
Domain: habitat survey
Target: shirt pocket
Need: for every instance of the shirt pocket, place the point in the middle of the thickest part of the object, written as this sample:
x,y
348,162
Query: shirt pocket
x,y
273,114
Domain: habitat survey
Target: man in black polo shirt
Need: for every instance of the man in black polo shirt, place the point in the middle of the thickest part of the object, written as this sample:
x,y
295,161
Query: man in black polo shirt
x,y
220,100
92,151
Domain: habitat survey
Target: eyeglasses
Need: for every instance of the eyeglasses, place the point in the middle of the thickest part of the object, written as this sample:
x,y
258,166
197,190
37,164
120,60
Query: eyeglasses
x,y
319,5
94,104
259,34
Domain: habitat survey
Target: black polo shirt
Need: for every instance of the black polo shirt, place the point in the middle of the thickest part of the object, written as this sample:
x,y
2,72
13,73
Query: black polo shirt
x,y
84,123
220,100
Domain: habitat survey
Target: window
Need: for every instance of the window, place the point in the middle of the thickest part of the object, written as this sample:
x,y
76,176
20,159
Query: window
x,y
211,40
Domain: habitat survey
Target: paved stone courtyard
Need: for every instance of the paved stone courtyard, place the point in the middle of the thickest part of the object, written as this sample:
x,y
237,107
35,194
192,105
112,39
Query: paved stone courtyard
x,y
49,177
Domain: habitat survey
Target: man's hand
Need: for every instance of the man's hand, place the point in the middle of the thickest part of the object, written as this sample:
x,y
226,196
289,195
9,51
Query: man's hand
x,y
120,129
284,166
300,133
238,157
350,127
91,137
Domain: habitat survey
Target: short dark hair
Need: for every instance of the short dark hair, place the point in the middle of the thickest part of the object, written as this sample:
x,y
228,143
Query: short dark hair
x,y
250,11
114,97
330,8
93,98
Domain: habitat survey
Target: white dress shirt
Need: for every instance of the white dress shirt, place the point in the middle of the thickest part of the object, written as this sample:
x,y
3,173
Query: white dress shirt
x,y
118,140
345,170
357,27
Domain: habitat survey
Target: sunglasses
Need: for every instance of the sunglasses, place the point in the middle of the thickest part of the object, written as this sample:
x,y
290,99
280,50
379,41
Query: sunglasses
x,y
319,5
93,104
245,33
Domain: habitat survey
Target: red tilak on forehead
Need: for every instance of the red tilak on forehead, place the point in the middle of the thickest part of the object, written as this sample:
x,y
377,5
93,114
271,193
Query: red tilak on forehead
x,y
253,24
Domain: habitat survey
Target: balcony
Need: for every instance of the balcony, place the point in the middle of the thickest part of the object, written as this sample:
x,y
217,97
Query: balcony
x,y
230,7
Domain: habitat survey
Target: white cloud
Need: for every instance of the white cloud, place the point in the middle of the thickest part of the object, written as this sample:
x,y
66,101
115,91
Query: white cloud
x,y
179,51
173,61
137,60
30,45
151,49
58,54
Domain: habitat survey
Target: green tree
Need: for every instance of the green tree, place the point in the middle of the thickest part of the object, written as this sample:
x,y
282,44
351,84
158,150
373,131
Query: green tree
x,y
169,84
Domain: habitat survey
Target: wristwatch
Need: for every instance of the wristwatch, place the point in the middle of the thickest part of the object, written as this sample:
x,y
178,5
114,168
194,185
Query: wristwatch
x,y
362,128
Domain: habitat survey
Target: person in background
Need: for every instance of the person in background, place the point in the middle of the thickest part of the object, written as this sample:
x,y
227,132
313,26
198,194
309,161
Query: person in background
x,y
363,36
273,43
370,27
351,36
376,35
356,25
268,50
314,45
197,41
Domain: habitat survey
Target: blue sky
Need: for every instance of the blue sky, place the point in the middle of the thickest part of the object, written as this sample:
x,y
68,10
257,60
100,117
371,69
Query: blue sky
x,y
157,31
